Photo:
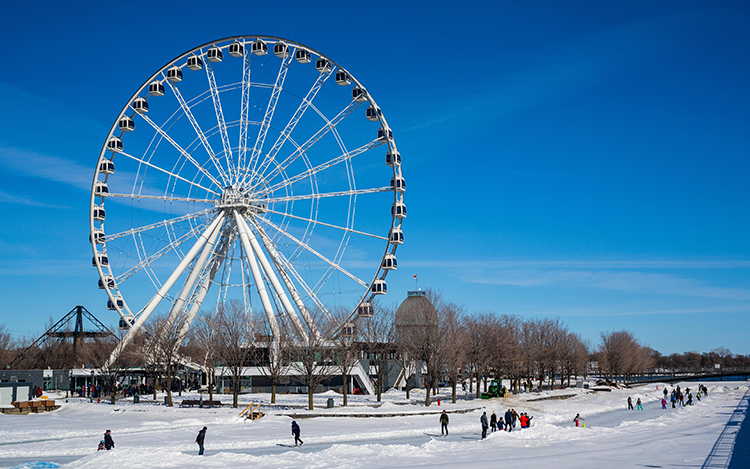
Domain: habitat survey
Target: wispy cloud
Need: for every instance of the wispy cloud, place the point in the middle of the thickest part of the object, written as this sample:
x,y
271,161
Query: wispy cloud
x,y
20,200
627,281
49,167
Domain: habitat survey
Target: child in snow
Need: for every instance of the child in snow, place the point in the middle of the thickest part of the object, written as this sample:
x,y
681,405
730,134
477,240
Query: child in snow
x,y
101,445
500,424
663,403
638,404
579,421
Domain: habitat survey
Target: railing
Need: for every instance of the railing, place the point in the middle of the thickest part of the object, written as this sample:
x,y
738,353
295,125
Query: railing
x,y
252,411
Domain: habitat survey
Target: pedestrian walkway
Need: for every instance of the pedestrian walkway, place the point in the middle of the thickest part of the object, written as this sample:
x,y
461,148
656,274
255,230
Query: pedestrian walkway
x,y
731,449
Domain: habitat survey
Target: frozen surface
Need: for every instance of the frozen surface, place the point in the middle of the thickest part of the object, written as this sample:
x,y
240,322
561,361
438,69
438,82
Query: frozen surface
x,y
151,435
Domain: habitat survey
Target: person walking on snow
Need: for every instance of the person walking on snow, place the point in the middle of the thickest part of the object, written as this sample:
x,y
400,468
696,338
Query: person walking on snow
x,y
630,403
673,399
508,421
493,422
638,404
295,432
485,424
444,423
515,416
108,442
200,439
663,403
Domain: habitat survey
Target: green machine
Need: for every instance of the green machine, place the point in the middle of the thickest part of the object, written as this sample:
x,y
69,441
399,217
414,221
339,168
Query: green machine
x,y
495,390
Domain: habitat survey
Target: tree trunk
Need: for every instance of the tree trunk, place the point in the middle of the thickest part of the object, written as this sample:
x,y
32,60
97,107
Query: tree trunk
x,y
453,394
309,397
273,392
427,395
407,388
211,386
478,380
344,375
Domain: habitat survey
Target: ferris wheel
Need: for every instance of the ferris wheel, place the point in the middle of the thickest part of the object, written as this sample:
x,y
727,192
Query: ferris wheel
x,y
234,173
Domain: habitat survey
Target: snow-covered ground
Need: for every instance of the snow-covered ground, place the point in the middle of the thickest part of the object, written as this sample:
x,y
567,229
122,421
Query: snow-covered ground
x,y
150,435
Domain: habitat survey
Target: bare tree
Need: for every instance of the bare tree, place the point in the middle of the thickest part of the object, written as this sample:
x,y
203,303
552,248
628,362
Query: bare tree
x,y
273,359
621,354
235,342
205,338
453,337
479,345
347,346
97,352
312,358
378,343
7,347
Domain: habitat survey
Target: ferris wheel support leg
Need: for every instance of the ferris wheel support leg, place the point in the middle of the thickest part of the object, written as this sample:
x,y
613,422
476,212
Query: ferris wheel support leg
x,y
151,306
274,281
197,304
190,282
259,283
287,281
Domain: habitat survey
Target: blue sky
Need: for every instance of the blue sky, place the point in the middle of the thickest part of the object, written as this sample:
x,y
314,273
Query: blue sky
x,y
587,161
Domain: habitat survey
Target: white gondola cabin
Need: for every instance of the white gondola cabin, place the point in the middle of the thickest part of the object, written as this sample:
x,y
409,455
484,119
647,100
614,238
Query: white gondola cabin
x,y
385,134
359,94
379,287
396,236
140,105
101,189
194,63
281,50
101,258
323,65
365,310
156,88
259,47
398,210
106,167
373,113
389,262
114,144
393,158
97,236
303,56
126,124
236,49
349,330
108,282
343,78
398,183
174,74
214,54
111,304
99,213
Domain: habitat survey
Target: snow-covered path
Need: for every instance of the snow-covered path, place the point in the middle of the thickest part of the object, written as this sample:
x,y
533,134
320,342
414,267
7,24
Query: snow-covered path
x,y
155,436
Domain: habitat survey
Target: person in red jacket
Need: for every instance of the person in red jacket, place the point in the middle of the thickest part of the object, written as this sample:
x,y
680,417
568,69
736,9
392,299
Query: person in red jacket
x,y
523,420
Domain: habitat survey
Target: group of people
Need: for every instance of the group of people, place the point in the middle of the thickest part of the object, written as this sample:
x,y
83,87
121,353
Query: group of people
x,y
678,396
638,403
506,422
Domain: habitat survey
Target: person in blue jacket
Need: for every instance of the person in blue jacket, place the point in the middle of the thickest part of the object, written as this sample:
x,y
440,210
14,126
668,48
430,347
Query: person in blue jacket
x,y
295,432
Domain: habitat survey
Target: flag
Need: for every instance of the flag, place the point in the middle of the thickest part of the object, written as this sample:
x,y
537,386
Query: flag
x,y
415,275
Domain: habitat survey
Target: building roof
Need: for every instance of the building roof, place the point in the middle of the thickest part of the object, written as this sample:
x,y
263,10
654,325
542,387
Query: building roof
x,y
416,310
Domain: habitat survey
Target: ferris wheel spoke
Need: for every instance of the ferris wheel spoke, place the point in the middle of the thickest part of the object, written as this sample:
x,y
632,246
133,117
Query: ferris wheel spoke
x,y
219,115
329,125
315,253
310,220
196,127
268,117
182,151
312,171
328,194
172,245
289,128
165,198
244,111
171,174
171,221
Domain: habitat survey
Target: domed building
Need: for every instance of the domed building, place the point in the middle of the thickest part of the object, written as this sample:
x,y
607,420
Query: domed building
x,y
415,312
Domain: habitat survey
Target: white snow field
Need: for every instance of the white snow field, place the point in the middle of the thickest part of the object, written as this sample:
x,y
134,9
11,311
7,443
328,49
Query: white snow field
x,y
149,435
